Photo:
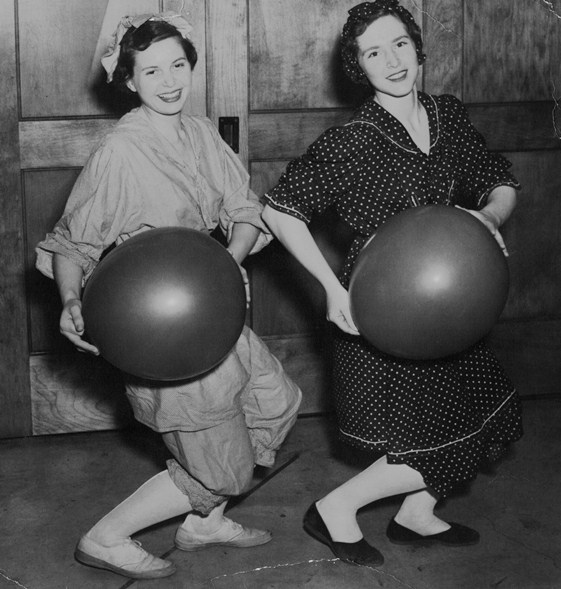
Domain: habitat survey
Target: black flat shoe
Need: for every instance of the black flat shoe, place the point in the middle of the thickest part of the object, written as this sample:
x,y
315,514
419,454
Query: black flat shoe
x,y
457,535
360,552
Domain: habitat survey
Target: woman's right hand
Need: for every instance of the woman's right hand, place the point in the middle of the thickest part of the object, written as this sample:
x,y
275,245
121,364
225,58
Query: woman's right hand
x,y
339,310
72,326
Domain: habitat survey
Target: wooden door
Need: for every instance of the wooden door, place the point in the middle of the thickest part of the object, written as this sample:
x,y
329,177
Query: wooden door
x,y
501,58
274,66
55,107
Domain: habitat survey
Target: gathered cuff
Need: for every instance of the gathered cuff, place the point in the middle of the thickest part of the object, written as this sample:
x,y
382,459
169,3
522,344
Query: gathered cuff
x,y
252,217
82,257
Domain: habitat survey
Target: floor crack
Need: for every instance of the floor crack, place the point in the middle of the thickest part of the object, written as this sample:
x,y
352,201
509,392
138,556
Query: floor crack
x,y
551,8
4,574
304,562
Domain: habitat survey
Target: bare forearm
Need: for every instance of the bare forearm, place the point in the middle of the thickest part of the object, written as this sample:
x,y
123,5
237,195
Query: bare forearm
x,y
68,277
500,204
296,237
244,237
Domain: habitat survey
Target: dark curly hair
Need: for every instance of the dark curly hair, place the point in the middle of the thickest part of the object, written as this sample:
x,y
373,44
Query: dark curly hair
x,y
360,18
139,39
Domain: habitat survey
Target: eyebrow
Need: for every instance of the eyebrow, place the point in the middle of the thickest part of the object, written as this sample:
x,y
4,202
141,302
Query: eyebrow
x,y
377,46
151,67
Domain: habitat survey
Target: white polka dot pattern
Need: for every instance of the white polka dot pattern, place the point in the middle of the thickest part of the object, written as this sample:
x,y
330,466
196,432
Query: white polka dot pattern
x,y
444,417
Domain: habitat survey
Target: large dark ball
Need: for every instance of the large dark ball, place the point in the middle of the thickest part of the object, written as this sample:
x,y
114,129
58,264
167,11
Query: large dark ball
x,y
430,283
167,304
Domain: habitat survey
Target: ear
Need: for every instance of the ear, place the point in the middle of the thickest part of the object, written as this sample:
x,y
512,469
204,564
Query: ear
x,y
130,85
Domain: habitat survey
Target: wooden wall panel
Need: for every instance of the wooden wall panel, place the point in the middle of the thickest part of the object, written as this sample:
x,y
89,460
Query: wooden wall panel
x,y
533,237
60,143
506,127
529,352
286,298
443,42
514,112
46,192
512,51
15,418
525,126
227,69
71,37
61,44
75,392
67,143
69,391
294,55
287,134
293,70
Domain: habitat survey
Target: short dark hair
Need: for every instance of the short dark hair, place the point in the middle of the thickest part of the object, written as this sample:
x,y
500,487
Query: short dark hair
x,y
360,18
139,39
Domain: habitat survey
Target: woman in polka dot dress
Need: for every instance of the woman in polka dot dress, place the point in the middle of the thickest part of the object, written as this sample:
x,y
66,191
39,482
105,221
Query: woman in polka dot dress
x,y
433,422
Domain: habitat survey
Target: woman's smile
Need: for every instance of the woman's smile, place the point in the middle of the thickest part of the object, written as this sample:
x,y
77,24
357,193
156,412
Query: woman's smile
x,y
170,97
162,77
398,76
387,55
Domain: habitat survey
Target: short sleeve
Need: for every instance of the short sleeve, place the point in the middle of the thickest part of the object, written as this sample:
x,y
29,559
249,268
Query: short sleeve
x,y
319,178
482,170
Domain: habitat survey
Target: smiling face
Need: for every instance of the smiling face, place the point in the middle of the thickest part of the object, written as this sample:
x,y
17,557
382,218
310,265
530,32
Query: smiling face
x,y
387,55
162,77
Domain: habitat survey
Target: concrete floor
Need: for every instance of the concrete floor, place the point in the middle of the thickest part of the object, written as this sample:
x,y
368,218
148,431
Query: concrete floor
x,y
53,488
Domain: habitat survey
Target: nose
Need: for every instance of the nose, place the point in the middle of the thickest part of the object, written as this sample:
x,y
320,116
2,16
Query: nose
x,y
392,59
169,78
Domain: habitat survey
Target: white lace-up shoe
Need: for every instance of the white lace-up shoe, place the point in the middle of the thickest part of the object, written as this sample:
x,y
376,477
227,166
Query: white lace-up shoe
x,y
127,558
229,534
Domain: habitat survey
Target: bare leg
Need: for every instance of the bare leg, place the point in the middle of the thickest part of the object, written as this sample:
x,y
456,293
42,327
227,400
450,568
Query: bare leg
x,y
157,500
338,508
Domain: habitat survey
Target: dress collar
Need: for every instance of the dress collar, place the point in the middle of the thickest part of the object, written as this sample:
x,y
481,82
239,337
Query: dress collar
x,y
377,116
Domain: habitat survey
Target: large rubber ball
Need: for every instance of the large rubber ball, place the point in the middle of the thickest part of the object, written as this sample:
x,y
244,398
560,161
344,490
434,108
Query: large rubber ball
x,y
430,283
167,304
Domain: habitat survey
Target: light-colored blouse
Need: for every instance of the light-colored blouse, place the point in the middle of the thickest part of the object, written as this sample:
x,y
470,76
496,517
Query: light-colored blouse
x,y
137,180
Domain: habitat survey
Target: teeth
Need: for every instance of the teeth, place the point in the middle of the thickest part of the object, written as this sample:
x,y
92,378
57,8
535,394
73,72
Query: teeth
x,y
170,94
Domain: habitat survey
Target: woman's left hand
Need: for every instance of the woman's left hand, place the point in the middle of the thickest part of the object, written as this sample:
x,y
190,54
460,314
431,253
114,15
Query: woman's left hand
x,y
490,223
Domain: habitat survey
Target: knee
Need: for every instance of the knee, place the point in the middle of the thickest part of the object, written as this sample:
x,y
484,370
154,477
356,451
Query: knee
x,y
235,483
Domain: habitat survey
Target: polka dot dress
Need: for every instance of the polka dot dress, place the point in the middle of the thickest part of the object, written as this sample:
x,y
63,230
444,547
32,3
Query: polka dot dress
x,y
443,417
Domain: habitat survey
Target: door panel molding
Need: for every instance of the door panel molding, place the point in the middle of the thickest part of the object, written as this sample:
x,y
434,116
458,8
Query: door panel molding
x,y
15,415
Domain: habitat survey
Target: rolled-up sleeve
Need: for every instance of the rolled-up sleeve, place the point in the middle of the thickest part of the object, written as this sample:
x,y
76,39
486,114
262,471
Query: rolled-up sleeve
x,y
238,203
95,214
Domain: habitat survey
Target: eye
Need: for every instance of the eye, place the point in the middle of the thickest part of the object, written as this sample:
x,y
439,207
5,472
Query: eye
x,y
371,54
149,72
402,43
180,64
